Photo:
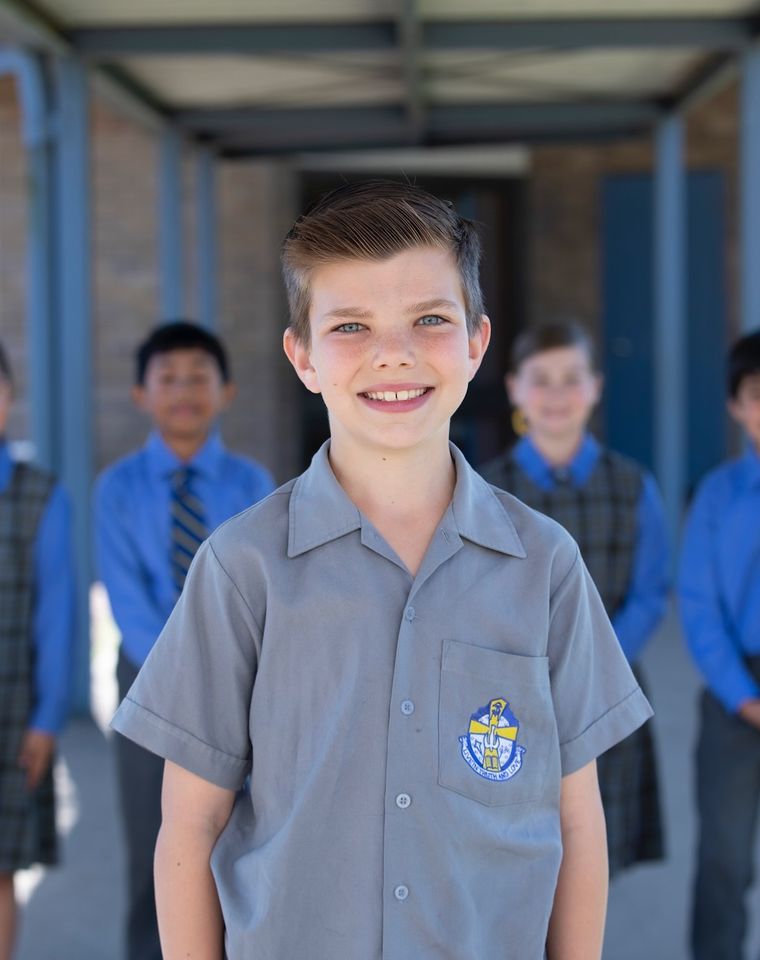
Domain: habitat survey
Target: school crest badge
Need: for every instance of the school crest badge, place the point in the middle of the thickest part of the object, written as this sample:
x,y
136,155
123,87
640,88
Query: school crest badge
x,y
490,747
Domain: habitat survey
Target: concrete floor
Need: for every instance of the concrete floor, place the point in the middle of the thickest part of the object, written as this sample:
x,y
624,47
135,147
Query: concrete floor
x,y
73,913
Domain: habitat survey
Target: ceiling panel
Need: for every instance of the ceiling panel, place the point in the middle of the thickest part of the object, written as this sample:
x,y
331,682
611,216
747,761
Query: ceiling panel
x,y
525,9
532,76
270,81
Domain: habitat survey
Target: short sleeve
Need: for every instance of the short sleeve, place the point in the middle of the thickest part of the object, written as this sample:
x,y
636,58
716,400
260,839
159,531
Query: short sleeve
x,y
191,700
597,701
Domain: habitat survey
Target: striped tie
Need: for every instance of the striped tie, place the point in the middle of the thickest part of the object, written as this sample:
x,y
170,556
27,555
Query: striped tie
x,y
188,526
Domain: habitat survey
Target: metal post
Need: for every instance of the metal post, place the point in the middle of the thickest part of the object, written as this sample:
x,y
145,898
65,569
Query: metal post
x,y
207,238
750,191
75,334
42,370
670,327
170,224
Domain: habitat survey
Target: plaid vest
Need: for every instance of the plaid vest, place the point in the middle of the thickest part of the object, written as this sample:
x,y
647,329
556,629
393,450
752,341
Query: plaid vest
x,y
21,508
601,516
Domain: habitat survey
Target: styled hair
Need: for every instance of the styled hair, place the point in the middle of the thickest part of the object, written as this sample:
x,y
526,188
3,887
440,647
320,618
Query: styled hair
x,y
180,335
375,220
563,332
5,367
743,361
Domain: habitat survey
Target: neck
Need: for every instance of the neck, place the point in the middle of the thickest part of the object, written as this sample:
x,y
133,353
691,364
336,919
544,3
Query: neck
x,y
394,485
185,448
557,451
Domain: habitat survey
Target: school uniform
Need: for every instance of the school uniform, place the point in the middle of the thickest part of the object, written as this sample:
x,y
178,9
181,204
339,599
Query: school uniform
x,y
719,604
134,530
398,742
612,509
36,637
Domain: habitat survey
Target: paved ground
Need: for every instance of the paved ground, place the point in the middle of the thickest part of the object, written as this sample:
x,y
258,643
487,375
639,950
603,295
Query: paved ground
x,y
74,913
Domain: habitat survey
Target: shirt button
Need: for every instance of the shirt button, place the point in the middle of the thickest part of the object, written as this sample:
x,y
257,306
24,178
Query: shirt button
x,y
409,614
403,800
407,708
401,892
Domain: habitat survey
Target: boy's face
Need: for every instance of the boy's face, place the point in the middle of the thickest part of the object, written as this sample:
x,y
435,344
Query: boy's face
x,y
183,393
389,351
557,391
6,398
745,407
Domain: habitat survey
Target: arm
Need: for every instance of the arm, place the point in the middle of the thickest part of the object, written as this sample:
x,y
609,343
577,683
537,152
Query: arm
x,y
194,813
134,608
646,600
576,927
53,635
706,627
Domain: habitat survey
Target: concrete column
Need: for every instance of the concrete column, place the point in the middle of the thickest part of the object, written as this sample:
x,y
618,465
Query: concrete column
x,y
750,190
206,252
170,225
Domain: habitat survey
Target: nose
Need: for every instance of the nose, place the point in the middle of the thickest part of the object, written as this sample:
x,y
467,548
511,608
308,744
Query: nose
x,y
393,349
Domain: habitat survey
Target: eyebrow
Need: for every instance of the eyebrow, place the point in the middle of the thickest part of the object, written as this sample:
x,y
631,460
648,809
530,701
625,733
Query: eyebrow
x,y
434,305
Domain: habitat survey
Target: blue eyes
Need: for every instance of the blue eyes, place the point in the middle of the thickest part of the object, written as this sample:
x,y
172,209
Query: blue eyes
x,y
353,326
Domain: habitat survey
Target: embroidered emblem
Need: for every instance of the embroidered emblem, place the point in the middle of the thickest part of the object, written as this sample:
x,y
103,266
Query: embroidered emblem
x,y
490,746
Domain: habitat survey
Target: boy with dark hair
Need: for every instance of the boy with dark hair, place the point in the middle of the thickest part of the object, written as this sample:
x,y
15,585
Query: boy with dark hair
x,y
719,593
36,638
153,508
411,670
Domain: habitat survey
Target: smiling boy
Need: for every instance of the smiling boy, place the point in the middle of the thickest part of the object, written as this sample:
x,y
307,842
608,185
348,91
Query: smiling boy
x,y
411,670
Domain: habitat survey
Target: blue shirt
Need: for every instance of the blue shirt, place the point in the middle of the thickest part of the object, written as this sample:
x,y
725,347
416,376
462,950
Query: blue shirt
x,y
646,600
133,534
719,578
54,600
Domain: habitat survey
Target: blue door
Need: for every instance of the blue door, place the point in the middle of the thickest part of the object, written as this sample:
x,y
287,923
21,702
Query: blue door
x,y
628,319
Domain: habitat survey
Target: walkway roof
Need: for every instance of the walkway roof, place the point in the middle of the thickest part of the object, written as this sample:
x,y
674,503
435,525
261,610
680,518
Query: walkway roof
x,y
279,76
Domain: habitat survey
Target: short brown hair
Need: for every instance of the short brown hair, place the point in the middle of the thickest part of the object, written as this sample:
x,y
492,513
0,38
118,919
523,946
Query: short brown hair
x,y
557,333
375,220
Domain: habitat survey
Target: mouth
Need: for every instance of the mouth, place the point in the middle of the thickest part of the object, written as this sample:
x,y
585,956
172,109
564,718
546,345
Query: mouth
x,y
395,396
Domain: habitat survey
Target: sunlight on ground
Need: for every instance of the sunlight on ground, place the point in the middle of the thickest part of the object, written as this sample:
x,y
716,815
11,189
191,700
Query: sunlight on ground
x,y
103,698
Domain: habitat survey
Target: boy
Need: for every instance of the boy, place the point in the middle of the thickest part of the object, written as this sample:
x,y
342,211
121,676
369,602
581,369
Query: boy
x,y
36,636
152,510
388,648
719,593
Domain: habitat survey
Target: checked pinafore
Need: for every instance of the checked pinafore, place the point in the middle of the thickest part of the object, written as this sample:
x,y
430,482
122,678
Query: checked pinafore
x,y
602,517
27,821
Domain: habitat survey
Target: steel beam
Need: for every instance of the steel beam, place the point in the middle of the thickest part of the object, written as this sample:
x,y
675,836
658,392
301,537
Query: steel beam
x,y
670,318
73,257
709,33
206,252
750,191
170,225
411,50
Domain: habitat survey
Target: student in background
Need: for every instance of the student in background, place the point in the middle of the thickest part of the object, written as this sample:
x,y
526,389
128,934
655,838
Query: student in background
x,y
612,508
153,508
36,637
719,599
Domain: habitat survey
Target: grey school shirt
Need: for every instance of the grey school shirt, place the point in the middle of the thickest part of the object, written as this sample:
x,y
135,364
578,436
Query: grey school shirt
x,y
398,741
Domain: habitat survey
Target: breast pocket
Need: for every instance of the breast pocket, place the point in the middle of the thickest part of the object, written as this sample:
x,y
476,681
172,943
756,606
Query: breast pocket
x,y
497,735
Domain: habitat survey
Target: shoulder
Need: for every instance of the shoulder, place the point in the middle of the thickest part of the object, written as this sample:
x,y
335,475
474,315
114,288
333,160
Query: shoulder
x,y
624,469
720,484
545,541
259,531
122,473
245,470
35,481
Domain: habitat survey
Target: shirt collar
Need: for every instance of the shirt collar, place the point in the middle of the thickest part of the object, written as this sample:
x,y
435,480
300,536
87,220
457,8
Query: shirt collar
x,y
6,464
751,460
163,461
580,468
321,511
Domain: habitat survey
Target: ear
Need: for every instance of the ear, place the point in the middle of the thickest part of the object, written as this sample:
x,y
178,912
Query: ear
x,y
478,344
734,409
229,392
299,355
138,396
510,385
598,387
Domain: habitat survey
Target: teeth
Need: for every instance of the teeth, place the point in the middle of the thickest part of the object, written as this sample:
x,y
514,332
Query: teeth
x,y
391,395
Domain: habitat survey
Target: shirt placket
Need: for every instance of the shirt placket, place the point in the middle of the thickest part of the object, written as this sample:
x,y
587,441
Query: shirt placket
x,y
412,731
